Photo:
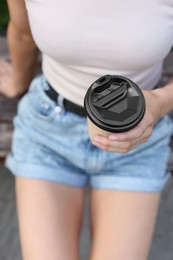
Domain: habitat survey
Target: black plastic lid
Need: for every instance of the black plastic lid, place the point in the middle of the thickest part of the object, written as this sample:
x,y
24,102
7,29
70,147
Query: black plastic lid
x,y
114,103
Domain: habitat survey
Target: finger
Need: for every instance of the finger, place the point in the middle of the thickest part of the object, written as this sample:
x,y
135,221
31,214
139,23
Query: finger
x,y
136,132
123,146
110,149
115,149
5,66
123,150
109,145
3,62
2,69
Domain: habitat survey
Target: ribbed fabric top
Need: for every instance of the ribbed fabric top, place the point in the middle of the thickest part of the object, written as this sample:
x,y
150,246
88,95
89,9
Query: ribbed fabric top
x,y
84,40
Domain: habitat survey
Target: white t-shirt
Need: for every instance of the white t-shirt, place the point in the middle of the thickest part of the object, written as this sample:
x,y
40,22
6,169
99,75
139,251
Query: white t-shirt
x,y
84,40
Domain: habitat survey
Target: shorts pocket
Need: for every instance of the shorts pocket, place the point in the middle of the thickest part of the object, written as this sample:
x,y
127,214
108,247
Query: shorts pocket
x,y
40,105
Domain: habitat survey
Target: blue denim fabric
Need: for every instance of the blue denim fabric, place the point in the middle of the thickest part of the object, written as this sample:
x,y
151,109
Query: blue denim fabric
x,y
53,144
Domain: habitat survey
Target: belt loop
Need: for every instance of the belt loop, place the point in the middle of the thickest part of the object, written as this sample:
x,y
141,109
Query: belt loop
x,y
44,82
60,103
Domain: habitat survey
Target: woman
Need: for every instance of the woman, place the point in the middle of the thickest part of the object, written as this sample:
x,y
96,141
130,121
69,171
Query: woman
x,y
52,156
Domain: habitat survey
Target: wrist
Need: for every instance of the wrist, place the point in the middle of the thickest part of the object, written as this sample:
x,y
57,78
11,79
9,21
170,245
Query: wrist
x,y
19,88
164,99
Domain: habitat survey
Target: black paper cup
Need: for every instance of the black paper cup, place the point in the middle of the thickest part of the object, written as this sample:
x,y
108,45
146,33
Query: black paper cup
x,y
114,104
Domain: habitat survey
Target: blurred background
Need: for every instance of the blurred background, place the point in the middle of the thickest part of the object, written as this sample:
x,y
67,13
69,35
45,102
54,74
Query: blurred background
x,y
161,249
4,16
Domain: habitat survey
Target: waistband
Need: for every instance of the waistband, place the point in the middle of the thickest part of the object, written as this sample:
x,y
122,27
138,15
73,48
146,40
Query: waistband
x,y
69,106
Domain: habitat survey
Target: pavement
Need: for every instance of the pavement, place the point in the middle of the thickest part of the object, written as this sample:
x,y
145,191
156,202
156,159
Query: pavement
x,y
162,244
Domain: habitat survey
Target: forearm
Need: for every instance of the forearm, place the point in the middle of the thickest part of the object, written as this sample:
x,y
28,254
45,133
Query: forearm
x,y
24,57
165,98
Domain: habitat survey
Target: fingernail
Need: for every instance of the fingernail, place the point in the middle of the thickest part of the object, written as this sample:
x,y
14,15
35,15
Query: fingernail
x,y
113,137
97,139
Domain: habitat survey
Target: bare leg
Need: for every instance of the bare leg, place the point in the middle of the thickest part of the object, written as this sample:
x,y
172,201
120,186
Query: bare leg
x,y
122,224
50,217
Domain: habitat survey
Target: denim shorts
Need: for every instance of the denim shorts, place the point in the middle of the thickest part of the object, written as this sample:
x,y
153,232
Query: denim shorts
x,y
50,143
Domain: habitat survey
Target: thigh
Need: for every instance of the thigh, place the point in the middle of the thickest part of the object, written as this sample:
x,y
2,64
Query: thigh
x,y
122,224
50,217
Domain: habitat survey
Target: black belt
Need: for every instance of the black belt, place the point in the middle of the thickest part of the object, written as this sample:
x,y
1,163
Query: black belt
x,y
69,106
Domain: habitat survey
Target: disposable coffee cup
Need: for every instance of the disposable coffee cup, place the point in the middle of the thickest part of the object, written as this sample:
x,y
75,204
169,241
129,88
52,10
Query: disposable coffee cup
x,y
113,104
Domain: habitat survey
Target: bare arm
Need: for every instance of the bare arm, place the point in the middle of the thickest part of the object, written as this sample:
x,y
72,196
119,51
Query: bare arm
x,y
23,50
166,98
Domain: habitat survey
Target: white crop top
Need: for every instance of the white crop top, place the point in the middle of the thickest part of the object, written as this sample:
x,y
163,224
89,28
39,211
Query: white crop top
x,y
84,40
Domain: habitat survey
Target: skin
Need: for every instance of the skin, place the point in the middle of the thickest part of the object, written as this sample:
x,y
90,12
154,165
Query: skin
x,y
158,103
15,77
122,224
6,79
50,214
50,218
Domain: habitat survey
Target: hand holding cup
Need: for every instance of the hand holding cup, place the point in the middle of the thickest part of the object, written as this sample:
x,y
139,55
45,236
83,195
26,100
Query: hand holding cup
x,y
115,106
